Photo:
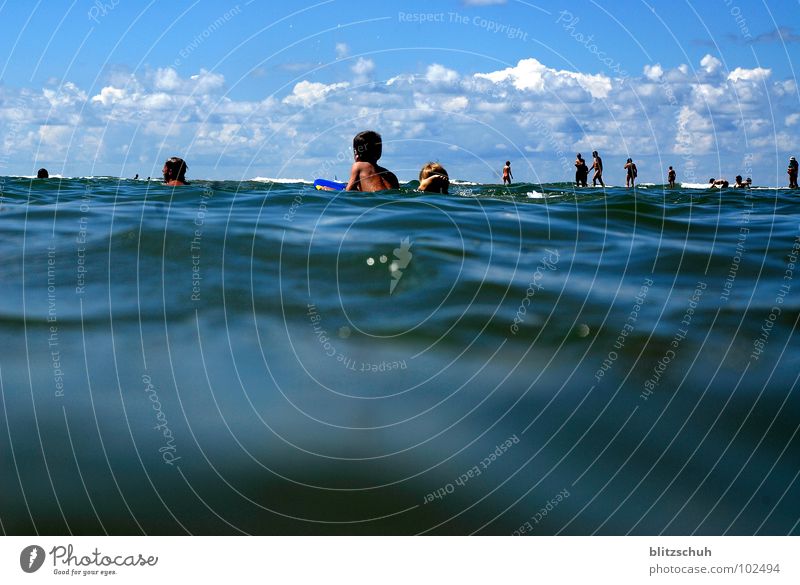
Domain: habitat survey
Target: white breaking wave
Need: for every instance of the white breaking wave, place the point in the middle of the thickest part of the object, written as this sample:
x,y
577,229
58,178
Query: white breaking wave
x,y
280,180
694,185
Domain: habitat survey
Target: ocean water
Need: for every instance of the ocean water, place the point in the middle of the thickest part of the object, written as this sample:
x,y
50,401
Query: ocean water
x,y
260,357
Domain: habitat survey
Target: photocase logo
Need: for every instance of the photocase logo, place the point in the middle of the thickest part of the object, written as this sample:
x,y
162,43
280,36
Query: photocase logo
x,y
31,558
402,259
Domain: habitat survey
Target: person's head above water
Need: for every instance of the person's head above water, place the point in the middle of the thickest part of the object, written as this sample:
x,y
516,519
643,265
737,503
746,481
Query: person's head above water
x,y
175,171
433,178
42,174
629,160
594,153
367,146
508,163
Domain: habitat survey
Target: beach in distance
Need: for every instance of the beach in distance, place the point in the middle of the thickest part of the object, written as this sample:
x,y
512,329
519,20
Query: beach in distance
x,y
261,357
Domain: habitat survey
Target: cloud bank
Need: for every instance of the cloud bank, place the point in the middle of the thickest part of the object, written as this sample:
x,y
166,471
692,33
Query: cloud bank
x,y
695,117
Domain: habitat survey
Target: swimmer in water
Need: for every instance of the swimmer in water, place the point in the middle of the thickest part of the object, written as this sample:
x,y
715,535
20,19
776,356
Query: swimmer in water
x,y
42,174
718,183
366,174
671,177
433,178
175,172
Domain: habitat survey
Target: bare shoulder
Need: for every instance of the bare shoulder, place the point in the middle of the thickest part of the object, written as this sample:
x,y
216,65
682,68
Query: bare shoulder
x,y
391,178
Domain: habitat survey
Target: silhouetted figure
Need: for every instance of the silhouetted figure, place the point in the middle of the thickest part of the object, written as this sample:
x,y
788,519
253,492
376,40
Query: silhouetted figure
x,y
42,174
671,177
581,171
632,173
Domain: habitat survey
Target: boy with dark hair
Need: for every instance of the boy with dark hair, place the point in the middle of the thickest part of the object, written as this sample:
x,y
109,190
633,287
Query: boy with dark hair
x,y
366,174
671,177
175,171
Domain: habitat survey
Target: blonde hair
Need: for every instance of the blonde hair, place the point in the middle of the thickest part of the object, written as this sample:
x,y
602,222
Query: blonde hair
x,y
433,178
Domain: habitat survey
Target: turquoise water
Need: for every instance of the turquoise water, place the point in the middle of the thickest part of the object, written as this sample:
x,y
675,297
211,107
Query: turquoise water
x,y
265,358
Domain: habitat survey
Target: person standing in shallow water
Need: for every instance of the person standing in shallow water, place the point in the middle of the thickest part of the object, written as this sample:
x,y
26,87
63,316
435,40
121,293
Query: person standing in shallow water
x,y
792,172
581,171
507,176
630,177
175,172
597,165
671,177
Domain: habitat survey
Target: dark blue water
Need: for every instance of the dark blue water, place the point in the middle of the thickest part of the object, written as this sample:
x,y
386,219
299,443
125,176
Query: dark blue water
x,y
264,358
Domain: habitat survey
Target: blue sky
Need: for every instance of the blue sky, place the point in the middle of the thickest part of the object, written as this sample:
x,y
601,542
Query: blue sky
x,y
278,89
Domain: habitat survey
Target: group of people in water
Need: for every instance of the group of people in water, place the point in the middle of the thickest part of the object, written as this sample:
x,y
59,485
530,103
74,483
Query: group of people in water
x,y
367,175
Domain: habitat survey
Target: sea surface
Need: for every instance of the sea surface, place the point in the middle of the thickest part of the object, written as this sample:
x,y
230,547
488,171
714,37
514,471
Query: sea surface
x,y
259,357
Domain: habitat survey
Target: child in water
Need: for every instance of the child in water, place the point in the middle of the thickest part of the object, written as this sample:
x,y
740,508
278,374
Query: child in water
x,y
507,176
175,171
433,178
366,174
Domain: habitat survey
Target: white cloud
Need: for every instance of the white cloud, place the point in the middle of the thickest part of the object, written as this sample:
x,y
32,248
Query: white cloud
x,y
66,95
710,64
792,119
342,50
109,95
362,69
741,74
532,75
654,72
440,74
306,93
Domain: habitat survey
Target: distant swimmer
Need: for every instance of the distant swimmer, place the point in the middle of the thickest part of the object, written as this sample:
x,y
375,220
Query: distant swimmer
x,y
749,182
175,172
43,174
632,173
507,176
597,165
792,172
581,171
366,175
718,182
671,177
136,178
739,184
433,178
